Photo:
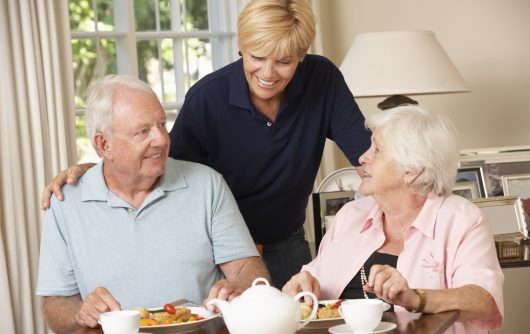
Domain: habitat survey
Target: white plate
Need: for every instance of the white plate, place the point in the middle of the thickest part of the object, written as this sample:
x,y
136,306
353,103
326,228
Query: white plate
x,y
187,327
381,328
347,177
327,323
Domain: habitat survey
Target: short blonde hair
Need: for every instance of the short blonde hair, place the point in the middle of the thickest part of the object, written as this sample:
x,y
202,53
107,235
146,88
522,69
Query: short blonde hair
x,y
420,140
276,27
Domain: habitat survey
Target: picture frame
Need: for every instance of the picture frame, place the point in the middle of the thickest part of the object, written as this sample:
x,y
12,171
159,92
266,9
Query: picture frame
x,y
325,207
466,189
506,216
518,185
473,174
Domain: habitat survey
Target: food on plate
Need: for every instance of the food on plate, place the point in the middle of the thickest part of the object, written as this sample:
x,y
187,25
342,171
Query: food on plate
x,y
325,311
305,311
169,315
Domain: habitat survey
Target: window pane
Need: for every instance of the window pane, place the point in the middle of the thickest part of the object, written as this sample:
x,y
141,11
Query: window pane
x,y
81,15
105,15
165,15
85,151
84,66
170,90
144,13
107,57
149,65
198,60
171,116
196,15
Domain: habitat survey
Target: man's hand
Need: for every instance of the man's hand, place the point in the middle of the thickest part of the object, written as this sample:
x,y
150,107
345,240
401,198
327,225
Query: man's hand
x,y
70,176
303,281
98,301
224,290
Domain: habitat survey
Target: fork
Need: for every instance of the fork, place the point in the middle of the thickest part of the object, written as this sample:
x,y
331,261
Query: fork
x,y
184,302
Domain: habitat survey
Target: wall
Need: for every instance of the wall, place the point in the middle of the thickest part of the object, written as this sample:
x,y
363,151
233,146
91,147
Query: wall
x,y
488,40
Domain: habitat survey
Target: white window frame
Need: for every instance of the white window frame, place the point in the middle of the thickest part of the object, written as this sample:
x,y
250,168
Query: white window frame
x,y
222,26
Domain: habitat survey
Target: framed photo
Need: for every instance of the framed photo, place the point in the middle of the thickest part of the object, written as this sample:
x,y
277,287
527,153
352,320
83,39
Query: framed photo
x,y
519,185
466,189
505,214
325,207
474,174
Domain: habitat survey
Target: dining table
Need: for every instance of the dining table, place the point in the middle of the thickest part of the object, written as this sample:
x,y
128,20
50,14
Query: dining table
x,y
410,323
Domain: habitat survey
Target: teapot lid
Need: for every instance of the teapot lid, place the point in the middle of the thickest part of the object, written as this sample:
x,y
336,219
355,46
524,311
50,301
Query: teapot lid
x,y
261,291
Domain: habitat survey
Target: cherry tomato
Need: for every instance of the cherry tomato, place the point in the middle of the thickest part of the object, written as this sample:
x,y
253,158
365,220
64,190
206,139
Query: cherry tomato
x,y
336,305
169,308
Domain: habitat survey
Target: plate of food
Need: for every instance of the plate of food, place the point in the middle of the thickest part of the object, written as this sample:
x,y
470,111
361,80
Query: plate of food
x,y
327,315
172,319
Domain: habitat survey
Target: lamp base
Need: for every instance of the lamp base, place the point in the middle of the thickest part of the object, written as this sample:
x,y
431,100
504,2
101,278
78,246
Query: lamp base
x,y
395,101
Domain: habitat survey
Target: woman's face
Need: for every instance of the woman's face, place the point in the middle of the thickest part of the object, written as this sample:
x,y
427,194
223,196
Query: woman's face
x,y
379,172
267,76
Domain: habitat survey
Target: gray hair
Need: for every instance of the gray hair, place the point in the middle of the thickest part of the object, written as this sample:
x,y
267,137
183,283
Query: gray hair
x,y
100,99
420,141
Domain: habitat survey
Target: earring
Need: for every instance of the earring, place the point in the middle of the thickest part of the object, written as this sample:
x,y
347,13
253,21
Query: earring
x,y
240,54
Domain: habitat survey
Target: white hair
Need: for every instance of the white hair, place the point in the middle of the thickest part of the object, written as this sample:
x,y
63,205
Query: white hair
x,y
420,141
100,100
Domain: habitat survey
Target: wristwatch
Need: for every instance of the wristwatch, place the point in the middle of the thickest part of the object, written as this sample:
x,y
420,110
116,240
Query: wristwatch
x,y
423,300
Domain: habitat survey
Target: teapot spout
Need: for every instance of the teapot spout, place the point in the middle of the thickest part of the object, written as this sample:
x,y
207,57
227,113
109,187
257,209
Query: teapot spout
x,y
221,305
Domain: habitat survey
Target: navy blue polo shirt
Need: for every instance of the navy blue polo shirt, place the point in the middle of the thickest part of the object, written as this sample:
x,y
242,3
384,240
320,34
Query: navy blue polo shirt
x,y
269,166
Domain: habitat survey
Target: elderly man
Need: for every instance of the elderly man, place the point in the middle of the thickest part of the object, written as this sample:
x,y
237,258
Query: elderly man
x,y
139,229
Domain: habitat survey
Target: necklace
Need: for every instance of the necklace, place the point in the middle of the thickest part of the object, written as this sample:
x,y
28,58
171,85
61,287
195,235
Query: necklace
x,y
364,281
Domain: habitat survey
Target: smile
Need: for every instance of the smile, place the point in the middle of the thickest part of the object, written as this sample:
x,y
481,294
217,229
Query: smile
x,y
154,156
265,83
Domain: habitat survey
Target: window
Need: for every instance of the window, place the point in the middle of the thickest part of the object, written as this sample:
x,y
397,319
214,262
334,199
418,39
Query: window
x,y
168,43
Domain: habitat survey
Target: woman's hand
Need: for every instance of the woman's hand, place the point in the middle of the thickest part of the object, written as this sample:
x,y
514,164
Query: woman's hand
x,y
388,284
303,281
70,176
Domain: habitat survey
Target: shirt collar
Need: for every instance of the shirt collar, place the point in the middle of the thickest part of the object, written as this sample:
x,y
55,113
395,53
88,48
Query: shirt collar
x,y
424,222
238,84
94,187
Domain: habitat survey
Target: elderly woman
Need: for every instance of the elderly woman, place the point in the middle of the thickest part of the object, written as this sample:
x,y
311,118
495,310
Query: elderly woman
x,y
410,241
262,123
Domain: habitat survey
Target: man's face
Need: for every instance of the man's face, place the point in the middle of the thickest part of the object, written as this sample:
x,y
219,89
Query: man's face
x,y
139,145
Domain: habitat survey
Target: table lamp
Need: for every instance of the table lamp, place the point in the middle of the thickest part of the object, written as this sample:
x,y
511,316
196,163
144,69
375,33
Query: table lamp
x,y
398,63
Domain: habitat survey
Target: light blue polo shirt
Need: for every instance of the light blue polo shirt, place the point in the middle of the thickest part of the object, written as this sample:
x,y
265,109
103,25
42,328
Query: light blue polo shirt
x,y
167,249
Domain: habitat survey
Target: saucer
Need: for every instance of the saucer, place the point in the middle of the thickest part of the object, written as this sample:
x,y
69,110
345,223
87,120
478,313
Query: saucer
x,y
381,328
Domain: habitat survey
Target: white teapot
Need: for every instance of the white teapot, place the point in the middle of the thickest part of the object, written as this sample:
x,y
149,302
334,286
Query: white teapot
x,y
263,309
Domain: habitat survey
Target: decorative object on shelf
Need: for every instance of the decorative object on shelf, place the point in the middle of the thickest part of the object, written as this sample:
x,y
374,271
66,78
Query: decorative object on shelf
x,y
466,189
397,63
325,207
475,175
509,249
344,179
497,162
518,184
506,216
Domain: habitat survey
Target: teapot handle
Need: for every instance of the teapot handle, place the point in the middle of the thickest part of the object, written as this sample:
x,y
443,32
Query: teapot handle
x,y
313,311
260,279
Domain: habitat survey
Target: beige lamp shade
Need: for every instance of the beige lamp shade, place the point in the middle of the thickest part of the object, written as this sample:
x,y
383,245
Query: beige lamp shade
x,y
400,63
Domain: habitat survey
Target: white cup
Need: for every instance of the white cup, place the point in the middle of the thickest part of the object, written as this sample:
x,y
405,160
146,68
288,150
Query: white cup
x,y
362,315
120,322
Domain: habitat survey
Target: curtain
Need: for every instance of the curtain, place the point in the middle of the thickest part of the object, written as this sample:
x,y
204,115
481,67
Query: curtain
x,y
37,140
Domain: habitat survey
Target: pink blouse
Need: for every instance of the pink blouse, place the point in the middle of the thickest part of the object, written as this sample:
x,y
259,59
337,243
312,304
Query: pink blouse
x,y
450,244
